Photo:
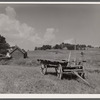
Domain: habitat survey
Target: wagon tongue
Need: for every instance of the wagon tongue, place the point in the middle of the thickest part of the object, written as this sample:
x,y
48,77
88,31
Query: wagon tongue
x,y
83,80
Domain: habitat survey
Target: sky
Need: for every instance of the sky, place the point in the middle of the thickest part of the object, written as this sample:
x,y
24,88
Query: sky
x,y
30,25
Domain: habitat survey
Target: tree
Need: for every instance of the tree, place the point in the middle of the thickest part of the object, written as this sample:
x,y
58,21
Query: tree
x,y
3,45
36,48
45,47
89,46
57,46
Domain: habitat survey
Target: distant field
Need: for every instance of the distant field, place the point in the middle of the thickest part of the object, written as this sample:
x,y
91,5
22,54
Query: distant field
x,y
24,76
89,55
53,54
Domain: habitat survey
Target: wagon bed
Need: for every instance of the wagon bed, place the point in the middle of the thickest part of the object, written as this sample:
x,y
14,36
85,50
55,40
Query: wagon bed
x,y
52,61
61,67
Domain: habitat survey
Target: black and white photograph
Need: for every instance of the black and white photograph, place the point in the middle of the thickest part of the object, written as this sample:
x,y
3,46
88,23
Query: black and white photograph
x,y
49,48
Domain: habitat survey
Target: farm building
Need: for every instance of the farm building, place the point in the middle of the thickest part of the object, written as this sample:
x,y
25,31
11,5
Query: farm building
x,y
18,53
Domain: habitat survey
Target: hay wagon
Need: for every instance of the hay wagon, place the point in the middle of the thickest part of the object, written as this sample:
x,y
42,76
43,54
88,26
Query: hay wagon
x,y
63,67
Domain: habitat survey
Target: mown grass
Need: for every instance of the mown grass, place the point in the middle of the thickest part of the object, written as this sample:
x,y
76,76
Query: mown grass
x,y
24,76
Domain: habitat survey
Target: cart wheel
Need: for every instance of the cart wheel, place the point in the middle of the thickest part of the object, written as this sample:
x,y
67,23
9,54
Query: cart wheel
x,y
43,69
59,71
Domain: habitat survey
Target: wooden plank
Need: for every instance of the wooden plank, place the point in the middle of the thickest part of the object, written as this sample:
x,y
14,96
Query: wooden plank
x,y
83,79
72,70
80,77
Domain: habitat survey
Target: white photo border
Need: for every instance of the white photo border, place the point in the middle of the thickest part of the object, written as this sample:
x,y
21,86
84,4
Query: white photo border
x,y
49,96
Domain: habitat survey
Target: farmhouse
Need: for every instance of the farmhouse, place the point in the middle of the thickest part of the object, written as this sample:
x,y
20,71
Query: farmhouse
x,y
18,53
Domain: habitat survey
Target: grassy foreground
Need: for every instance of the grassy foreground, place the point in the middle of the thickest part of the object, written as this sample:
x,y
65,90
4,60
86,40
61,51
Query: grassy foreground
x,y
24,76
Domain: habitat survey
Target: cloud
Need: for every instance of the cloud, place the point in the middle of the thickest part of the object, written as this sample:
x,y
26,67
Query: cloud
x,y
12,28
10,12
70,41
48,37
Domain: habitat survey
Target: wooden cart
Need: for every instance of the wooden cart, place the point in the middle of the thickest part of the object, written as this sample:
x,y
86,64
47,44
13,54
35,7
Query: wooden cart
x,y
62,67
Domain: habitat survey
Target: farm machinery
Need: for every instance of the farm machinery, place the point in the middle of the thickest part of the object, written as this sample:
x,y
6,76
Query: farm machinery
x,y
63,67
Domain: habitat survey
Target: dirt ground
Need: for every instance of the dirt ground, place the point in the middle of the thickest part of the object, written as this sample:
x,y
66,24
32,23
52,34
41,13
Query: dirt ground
x,y
24,76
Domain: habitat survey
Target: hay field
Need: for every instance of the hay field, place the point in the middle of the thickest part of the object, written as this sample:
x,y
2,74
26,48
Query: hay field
x,y
24,76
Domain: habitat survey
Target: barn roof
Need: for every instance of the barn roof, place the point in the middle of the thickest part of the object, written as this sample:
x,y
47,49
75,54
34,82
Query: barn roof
x,y
16,47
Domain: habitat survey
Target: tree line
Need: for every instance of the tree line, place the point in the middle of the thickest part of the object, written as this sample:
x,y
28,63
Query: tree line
x,y
4,46
64,46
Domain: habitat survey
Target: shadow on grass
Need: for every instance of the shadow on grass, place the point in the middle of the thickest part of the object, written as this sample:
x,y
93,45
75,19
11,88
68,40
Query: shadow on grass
x,y
52,73
68,76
